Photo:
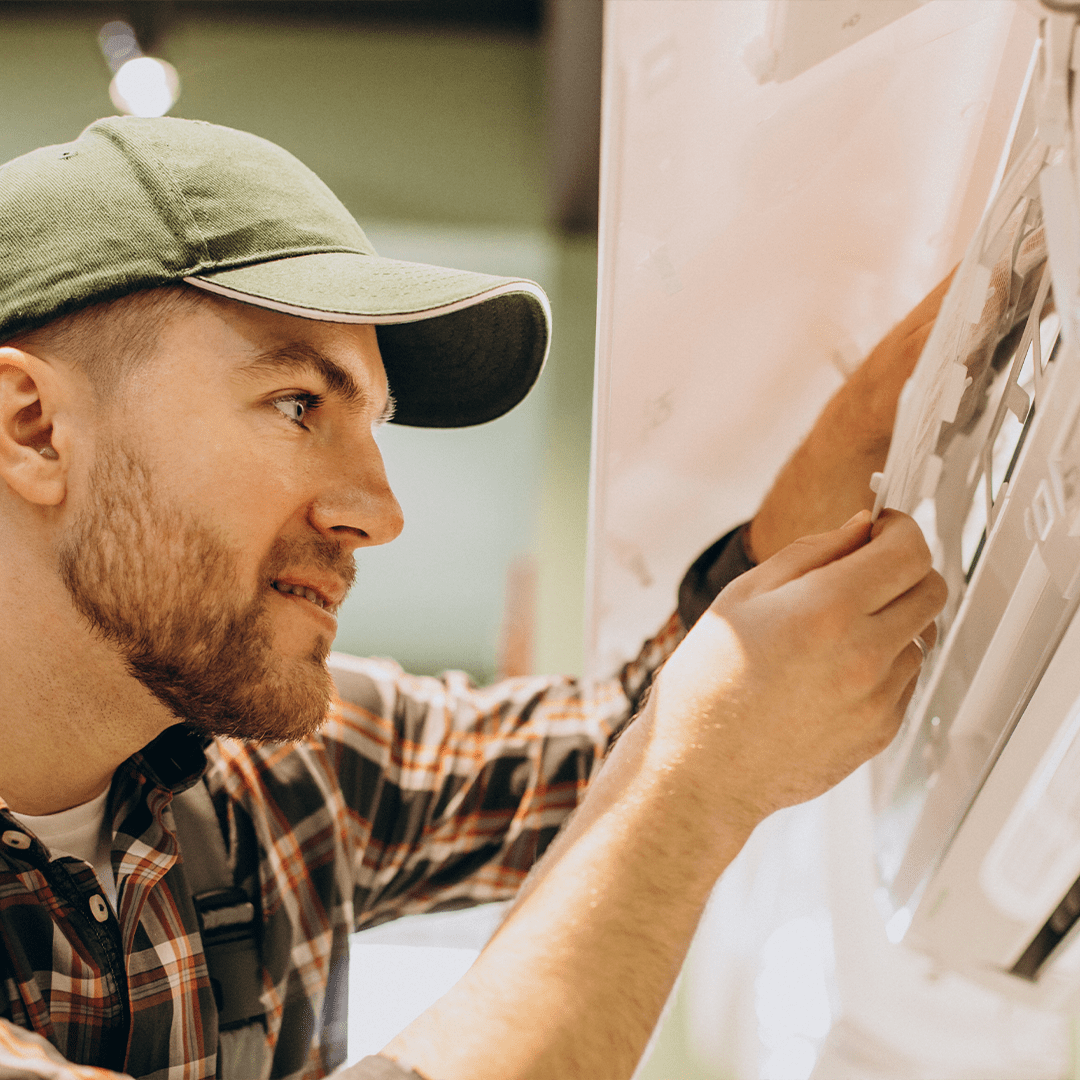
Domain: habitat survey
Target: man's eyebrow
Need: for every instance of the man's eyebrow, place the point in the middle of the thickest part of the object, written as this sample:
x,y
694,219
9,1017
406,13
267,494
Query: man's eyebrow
x,y
300,357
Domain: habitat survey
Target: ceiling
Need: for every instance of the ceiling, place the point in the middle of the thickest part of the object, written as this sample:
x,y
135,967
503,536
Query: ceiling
x,y
151,18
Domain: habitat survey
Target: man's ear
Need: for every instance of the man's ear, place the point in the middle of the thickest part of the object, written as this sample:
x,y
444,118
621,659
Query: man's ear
x,y
31,463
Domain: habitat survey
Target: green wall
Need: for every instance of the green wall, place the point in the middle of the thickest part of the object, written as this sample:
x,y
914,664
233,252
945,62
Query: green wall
x,y
403,125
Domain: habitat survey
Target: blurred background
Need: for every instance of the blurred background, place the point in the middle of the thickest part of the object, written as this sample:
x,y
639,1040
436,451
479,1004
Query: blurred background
x,y
459,132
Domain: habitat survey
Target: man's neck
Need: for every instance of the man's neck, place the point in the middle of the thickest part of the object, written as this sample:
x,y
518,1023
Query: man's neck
x,y
70,712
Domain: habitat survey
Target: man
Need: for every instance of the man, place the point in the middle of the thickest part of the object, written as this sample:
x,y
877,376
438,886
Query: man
x,y
200,345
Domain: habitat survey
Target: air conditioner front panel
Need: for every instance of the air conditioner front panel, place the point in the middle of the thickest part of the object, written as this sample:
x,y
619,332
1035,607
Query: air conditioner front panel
x,y
1017,852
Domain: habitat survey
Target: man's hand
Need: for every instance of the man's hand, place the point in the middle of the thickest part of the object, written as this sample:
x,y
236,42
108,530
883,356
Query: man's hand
x,y
798,673
802,668
828,478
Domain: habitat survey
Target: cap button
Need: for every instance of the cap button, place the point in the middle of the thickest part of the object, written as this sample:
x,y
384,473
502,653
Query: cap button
x,y
98,908
19,841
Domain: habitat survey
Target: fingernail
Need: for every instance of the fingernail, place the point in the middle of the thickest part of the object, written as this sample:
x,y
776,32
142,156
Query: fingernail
x,y
862,516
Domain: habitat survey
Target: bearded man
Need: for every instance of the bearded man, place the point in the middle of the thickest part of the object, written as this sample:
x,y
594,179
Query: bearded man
x,y
195,812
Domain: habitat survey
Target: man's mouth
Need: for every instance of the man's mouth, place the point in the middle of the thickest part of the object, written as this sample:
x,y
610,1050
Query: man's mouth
x,y
304,591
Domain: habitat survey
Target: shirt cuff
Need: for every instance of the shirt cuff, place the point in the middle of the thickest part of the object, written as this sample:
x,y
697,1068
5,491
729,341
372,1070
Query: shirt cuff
x,y
714,568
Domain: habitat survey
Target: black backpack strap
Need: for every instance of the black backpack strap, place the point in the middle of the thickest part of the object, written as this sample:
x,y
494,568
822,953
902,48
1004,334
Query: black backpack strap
x,y
229,927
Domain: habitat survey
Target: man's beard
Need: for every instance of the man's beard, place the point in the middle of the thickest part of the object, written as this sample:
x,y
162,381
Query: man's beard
x,y
161,587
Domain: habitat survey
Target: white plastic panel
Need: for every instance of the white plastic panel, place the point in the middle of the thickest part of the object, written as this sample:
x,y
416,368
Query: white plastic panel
x,y
984,452
799,35
978,800
1018,852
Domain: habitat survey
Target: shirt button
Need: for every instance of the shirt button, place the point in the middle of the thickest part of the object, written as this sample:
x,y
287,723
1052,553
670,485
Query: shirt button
x,y
98,908
17,840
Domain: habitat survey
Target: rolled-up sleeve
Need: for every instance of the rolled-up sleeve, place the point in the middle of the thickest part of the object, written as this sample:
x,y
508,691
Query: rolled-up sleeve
x,y
717,566
453,791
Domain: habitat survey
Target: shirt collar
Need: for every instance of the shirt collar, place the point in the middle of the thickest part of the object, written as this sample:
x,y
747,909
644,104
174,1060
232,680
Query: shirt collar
x,y
176,759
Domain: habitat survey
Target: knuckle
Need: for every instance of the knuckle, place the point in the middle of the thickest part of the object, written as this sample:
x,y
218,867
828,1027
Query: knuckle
x,y
929,597
924,558
917,551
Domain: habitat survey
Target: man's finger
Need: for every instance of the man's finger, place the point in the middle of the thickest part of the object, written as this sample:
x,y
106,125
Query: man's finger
x,y
899,685
895,560
911,615
905,695
812,552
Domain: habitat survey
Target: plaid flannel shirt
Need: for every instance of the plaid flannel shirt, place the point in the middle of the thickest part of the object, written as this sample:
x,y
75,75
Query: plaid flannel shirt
x,y
418,794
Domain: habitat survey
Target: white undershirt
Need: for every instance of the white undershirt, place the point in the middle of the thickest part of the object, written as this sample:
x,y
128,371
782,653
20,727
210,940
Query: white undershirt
x,y
81,832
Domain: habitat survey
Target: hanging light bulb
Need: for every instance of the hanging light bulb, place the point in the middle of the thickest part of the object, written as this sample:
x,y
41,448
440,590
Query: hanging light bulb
x,y
145,86
141,85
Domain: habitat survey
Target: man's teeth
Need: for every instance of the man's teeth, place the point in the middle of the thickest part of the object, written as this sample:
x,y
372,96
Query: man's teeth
x,y
299,590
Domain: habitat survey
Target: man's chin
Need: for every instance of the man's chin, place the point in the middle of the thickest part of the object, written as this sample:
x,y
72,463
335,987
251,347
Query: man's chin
x,y
288,705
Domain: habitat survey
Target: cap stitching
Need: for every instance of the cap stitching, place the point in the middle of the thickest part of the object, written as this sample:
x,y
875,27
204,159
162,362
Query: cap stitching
x,y
164,178
222,265
506,287
204,247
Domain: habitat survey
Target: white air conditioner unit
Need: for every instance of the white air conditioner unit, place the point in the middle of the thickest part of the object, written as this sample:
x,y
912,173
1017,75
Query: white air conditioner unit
x,y
977,802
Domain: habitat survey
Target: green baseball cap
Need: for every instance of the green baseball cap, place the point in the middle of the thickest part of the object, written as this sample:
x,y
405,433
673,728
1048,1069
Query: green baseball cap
x,y
137,203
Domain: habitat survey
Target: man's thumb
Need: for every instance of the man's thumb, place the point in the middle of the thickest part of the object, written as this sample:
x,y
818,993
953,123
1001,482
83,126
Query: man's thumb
x,y
810,552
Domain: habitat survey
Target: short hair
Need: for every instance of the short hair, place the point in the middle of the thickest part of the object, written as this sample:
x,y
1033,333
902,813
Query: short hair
x,y
110,340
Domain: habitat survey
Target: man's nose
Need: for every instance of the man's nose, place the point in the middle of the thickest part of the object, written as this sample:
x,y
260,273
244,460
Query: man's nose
x,y
359,505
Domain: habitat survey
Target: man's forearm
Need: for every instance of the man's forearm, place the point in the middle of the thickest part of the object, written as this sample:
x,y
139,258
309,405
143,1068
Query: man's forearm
x,y
828,477
613,904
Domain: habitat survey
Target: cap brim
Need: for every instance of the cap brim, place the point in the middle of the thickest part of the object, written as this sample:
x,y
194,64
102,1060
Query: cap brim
x,y
459,348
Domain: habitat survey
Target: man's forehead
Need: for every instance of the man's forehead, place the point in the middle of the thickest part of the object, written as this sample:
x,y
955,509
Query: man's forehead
x,y
258,343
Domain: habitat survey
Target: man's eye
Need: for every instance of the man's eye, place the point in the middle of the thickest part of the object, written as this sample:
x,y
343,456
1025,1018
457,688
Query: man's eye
x,y
297,406
292,407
